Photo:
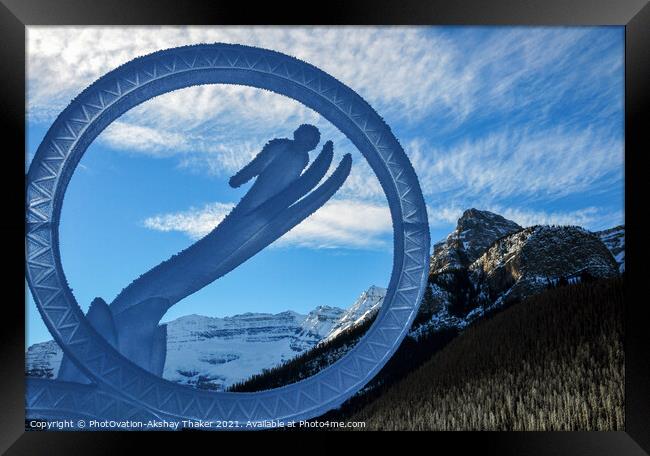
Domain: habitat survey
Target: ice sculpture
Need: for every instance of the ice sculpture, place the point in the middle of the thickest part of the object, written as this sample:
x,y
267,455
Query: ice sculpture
x,y
281,197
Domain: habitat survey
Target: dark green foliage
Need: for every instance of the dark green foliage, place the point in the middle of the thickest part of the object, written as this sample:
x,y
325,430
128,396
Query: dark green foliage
x,y
586,277
551,362
409,356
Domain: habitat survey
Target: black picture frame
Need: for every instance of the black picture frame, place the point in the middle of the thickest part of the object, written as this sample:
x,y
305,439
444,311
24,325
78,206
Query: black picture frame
x,y
15,15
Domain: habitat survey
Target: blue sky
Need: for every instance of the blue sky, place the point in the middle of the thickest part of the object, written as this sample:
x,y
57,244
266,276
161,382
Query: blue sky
x,y
526,122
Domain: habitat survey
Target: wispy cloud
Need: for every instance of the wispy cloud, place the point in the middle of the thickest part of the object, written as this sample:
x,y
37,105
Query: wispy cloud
x,y
226,156
524,165
339,223
400,68
423,78
144,139
506,119
194,222
530,73
444,215
537,164
344,223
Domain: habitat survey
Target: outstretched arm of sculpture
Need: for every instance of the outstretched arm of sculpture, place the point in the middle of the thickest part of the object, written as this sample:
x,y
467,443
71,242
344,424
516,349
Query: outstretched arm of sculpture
x,y
254,168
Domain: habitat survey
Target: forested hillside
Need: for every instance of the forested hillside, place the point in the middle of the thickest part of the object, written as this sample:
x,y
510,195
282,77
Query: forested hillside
x,y
552,362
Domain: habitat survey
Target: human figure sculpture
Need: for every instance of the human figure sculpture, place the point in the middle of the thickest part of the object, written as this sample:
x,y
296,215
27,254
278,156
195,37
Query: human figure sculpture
x,y
278,164
279,199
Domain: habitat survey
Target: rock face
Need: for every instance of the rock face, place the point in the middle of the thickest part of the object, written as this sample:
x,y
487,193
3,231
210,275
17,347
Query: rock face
x,y
213,353
614,239
488,261
530,260
475,231
449,278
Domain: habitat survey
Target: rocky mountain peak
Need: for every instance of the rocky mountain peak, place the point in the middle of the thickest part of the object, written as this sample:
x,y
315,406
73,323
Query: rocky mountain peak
x,y
488,261
473,216
526,262
475,231
375,291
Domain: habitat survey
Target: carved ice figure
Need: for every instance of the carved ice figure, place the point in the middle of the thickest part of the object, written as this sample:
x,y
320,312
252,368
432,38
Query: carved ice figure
x,y
278,164
279,199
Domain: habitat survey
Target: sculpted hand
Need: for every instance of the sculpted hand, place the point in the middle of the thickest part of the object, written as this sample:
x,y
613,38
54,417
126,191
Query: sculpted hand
x,y
237,180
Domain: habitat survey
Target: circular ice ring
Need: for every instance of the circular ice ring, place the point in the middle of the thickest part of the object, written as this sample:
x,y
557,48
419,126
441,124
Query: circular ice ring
x,y
146,77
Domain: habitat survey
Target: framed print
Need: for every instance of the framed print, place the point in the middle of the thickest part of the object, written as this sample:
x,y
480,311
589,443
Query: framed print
x,y
374,219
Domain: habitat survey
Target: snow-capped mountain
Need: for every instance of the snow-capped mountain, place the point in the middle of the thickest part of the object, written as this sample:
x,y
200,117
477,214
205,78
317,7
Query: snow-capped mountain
x,y
614,239
526,262
485,263
214,353
475,231
514,264
366,306
320,322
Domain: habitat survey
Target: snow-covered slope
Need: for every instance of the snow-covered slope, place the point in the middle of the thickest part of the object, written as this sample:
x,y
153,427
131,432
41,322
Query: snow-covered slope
x,y
614,239
367,305
214,353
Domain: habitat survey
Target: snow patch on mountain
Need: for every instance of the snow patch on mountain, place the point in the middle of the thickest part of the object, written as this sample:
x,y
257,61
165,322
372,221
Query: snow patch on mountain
x,y
488,261
474,232
214,353
614,239
366,305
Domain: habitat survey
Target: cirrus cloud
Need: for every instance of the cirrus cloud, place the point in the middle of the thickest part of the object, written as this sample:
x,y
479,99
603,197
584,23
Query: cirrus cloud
x,y
512,119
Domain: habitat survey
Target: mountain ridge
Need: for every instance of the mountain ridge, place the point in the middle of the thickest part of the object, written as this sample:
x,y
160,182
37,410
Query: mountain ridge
x,y
216,352
485,263
509,263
